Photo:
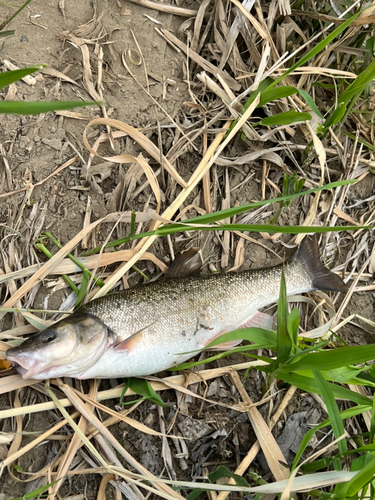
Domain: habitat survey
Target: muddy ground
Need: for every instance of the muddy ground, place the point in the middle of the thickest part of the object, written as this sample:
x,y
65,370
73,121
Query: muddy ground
x,y
40,144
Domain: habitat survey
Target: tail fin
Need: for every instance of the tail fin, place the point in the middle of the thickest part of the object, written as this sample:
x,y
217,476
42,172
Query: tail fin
x,y
323,279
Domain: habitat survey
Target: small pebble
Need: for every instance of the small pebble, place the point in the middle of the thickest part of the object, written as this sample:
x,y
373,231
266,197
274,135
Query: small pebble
x,y
52,129
37,138
24,38
53,143
24,141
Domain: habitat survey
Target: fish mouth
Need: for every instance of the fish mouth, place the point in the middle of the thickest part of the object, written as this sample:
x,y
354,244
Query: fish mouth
x,y
27,368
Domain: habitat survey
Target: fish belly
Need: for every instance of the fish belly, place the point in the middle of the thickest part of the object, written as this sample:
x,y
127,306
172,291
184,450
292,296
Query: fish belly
x,y
155,353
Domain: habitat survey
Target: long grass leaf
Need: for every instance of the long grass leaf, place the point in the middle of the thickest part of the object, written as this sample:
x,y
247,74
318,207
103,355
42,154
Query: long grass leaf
x,y
310,101
333,411
317,48
269,95
334,358
34,108
231,212
284,343
9,77
309,385
83,288
36,493
359,481
256,228
349,413
284,118
336,116
3,34
359,84
252,334
7,21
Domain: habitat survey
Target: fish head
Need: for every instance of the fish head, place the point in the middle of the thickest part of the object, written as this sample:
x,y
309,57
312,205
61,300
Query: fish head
x,y
67,348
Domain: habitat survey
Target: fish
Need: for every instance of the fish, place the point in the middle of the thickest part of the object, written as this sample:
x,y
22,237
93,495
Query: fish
x,y
149,328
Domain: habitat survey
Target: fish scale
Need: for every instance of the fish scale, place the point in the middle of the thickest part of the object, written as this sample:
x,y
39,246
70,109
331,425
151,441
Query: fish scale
x,y
150,328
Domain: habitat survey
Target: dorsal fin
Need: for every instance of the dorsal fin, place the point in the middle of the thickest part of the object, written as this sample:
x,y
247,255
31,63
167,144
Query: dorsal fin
x,y
185,264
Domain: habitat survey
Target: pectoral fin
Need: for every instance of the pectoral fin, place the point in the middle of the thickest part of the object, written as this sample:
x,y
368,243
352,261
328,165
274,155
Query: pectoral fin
x,y
128,344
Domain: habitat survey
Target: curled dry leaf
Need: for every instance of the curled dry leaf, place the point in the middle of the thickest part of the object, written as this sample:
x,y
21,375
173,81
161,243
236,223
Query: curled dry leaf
x,y
138,137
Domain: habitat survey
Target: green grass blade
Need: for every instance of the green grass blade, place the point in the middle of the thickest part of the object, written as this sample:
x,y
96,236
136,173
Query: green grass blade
x,y
46,252
310,102
361,141
83,288
9,77
372,428
334,358
323,463
230,212
336,116
269,95
349,413
242,349
359,84
284,118
367,447
5,23
292,325
255,228
262,87
284,343
333,411
36,493
79,264
143,388
3,34
222,471
359,481
318,48
34,108
254,335
309,385
344,375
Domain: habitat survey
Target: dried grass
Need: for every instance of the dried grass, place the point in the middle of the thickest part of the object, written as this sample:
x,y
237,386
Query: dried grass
x,y
239,48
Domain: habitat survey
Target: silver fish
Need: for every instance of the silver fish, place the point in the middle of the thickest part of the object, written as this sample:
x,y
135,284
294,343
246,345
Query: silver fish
x,y
145,329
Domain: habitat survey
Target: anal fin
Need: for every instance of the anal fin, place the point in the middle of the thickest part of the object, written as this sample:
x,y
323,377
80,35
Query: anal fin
x,y
225,346
258,320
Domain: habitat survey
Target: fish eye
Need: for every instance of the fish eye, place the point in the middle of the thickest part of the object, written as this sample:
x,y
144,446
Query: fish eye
x,y
48,337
